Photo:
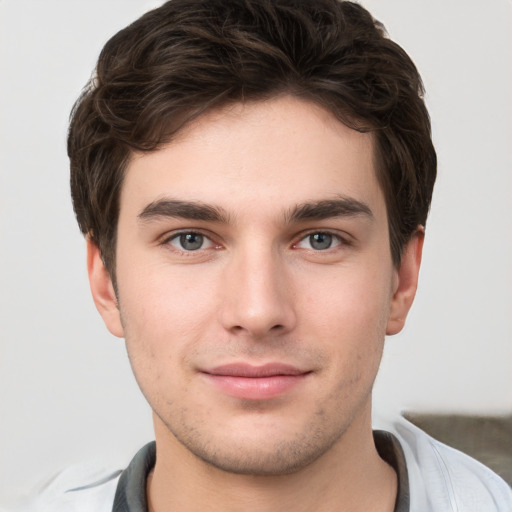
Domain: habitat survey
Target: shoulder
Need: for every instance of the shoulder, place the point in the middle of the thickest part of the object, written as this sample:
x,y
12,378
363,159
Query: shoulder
x,y
84,488
77,489
442,478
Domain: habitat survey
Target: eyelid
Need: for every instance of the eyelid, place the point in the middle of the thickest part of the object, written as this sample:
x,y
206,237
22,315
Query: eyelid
x,y
168,237
342,239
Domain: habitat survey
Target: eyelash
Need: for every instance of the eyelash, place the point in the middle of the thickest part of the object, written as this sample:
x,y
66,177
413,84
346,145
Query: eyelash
x,y
334,238
337,239
176,236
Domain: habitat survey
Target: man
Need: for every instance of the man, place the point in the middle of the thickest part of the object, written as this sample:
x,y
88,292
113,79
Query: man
x,y
253,180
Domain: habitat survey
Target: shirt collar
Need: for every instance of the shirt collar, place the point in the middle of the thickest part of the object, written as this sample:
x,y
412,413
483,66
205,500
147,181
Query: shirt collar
x,y
131,489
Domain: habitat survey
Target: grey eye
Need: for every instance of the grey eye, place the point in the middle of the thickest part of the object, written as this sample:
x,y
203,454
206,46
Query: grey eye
x,y
320,241
191,241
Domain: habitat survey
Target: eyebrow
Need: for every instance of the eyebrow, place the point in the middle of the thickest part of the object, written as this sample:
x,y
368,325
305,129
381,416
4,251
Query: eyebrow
x,y
183,209
318,210
329,208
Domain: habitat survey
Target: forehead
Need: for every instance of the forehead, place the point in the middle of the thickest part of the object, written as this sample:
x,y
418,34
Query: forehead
x,y
275,153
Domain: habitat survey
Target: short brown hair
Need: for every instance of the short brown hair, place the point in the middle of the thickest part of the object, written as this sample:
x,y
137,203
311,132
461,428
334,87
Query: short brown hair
x,y
190,56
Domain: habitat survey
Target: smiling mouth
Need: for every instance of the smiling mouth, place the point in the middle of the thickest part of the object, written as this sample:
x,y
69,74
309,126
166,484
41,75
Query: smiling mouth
x,y
248,382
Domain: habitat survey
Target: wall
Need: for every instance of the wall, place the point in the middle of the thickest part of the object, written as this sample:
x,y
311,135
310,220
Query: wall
x,y
66,390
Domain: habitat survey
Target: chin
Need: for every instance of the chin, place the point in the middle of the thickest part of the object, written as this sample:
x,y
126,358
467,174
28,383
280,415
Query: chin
x,y
263,454
283,460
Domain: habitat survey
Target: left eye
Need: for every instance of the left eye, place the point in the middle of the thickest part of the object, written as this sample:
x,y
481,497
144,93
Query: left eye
x,y
190,241
319,241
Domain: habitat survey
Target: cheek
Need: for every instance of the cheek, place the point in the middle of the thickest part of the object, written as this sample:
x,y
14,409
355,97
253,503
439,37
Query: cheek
x,y
348,317
351,300
164,318
160,301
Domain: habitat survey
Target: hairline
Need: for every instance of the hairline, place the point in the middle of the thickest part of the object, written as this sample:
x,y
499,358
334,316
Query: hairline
x,y
191,118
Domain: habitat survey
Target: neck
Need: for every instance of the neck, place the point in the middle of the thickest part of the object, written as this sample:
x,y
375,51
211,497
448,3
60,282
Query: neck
x,y
350,476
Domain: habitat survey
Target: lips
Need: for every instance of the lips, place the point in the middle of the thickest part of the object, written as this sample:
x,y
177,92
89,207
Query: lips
x,y
249,382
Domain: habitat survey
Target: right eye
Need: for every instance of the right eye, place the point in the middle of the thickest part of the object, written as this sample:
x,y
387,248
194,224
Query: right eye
x,y
190,241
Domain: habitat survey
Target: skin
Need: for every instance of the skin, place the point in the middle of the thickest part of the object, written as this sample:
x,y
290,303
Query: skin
x,y
259,290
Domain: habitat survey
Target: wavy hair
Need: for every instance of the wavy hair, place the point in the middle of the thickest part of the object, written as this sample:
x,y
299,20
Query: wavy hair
x,y
189,56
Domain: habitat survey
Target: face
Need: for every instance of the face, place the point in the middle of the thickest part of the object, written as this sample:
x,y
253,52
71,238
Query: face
x,y
255,284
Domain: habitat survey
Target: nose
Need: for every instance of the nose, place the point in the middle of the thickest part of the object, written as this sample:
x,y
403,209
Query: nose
x,y
257,294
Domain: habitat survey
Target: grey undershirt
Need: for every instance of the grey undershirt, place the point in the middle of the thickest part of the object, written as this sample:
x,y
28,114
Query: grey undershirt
x,y
131,488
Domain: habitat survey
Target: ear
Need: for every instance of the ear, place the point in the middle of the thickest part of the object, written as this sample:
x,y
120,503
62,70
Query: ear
x,y
405,282
103,291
